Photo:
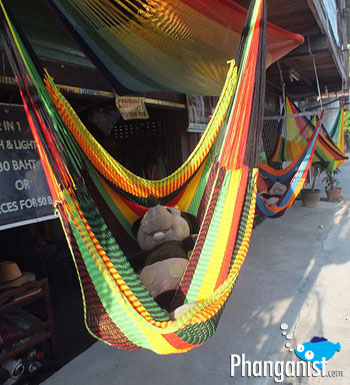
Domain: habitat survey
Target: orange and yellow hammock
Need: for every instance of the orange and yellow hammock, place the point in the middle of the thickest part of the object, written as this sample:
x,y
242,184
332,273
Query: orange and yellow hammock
x,y
98,199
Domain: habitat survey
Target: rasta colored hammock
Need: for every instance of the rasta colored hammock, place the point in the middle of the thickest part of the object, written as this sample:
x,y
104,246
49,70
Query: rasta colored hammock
x,y
177,45
337,134
293,177
295,134
98,200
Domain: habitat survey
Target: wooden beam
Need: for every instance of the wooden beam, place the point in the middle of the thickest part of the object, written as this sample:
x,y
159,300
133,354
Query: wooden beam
x,y
318,44
72,90
305,113
345,52
321,19
283,117
301,91
318,15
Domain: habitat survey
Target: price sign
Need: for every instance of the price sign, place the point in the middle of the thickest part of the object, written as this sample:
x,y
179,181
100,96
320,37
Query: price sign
x,y
24,193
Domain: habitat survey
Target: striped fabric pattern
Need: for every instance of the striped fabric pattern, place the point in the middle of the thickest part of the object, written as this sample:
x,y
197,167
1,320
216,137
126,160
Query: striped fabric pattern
x,y
293,176
337,134
122,178
294,136
178,45
217,183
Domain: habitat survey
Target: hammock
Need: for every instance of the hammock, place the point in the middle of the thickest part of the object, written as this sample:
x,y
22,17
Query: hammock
x,y
160,45
293,177
98,200
337,135
295,134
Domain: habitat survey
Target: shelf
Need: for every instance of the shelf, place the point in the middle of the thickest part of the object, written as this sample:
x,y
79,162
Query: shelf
x,y
23,348
13,305
14,299
30,332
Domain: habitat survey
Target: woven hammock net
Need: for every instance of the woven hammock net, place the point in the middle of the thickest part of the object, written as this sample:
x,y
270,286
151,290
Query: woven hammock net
x,y
178,45
293,177
337,134
98,199
295,133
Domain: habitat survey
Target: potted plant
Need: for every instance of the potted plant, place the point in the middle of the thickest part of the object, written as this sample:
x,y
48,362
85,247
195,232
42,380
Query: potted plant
x,y
311,196
332,188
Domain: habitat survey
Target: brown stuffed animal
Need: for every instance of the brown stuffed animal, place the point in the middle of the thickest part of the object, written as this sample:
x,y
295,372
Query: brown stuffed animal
x,y
164,235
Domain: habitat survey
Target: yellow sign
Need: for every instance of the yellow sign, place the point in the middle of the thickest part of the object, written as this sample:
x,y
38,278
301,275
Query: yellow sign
x,y
131,107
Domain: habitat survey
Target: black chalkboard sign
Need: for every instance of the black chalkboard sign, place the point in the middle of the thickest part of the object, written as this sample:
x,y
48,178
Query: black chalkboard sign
x,y
24,193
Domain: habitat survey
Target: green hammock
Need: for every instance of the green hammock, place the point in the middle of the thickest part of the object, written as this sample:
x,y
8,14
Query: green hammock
x,y
98,200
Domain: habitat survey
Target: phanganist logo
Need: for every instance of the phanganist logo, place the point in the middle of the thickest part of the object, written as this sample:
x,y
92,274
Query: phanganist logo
x,y
314,355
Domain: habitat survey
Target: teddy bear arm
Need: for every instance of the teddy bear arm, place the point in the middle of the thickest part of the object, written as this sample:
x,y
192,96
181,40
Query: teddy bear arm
x,y
189,242
138,260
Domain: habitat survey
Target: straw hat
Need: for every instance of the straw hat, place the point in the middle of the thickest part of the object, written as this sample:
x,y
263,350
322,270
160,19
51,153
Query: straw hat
x,y
11,275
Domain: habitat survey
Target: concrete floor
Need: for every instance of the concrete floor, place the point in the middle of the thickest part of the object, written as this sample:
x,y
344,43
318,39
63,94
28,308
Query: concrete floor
x,y
297,272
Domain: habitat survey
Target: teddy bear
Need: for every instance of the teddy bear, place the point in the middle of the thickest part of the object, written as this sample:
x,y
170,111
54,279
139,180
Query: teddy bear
x,y
272,195
166,237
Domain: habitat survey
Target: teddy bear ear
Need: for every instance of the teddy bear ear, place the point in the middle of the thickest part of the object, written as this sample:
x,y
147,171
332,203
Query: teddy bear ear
x,y
192,222
135,227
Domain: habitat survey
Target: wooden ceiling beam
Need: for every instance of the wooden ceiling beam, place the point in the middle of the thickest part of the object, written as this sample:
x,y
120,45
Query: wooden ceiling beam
x,y
318,45
321,19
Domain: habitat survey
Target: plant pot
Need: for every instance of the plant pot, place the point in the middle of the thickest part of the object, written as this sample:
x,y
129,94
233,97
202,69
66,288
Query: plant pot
x,y
310,197
333,195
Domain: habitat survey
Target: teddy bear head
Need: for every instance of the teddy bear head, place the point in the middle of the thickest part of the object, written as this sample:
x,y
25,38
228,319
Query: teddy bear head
x,y
162,224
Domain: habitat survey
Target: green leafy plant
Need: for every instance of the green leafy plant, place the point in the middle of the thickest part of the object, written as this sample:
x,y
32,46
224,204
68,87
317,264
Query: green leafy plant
x,y
330,180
